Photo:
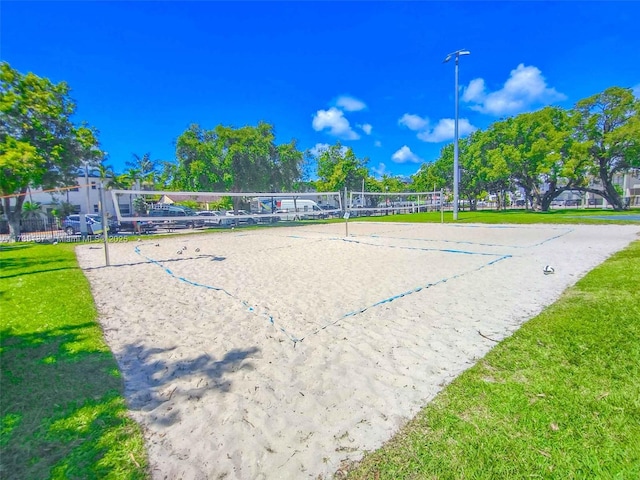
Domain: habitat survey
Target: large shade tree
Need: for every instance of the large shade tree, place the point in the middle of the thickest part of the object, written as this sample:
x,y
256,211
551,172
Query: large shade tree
x,y
39,144
540,152
244,159
548,152
610,123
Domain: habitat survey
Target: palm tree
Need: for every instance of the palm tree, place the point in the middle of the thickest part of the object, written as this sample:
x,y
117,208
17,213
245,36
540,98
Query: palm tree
x,y
146,169
106,173
31,210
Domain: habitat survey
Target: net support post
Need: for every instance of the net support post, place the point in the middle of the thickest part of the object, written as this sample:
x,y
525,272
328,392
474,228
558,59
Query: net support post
x,y
346,224
105,225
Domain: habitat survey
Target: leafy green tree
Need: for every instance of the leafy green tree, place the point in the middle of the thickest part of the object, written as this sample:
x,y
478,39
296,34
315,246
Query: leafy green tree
x,y
472,159
541,152
486,169
198,158
547,152
610,124
287,172
39,144
435,175
236,160
392,184
439,174
166,177
339,168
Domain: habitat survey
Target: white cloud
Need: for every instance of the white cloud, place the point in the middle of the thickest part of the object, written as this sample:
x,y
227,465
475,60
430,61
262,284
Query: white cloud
x,y
636,91
350,104
377,143
318,148
445,130
334,120
413,122
405,155
380,170
474,92
525,88
366,128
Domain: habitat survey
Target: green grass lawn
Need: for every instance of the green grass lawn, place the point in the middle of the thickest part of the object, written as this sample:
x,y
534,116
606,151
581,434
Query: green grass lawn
x,y
62,413
563,216
559,399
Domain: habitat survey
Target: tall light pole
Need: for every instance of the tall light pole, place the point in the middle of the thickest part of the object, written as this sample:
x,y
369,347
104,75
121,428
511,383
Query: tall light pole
x,y
86,183
456,168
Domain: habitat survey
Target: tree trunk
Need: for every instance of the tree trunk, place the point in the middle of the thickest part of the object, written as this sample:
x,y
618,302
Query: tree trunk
x,y
14,227
610,193
545,202
612,196
13,217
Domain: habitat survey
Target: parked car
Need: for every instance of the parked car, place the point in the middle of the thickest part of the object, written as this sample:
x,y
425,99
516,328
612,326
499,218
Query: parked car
x,y
113,223
286,216
212,218
137,226
175,211
246,220
71,225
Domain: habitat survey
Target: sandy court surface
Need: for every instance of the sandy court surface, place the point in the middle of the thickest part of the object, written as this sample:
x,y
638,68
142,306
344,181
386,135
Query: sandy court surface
x,y
282,352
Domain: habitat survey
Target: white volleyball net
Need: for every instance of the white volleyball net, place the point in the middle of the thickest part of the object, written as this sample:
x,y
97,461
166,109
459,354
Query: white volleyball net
x,y
386,203
167,209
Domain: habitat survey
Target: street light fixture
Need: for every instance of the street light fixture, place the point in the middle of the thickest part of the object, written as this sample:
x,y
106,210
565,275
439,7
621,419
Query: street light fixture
x,y
456,168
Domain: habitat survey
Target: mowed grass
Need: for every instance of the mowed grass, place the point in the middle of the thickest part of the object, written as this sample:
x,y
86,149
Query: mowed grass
x,y
560,216
63,413
560,399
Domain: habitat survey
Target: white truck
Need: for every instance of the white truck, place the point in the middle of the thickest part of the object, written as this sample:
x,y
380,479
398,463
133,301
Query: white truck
x,y
286,209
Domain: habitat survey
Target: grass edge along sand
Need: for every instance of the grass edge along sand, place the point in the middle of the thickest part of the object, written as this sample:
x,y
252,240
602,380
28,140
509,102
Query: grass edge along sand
x,y
63,412
523,217
558,399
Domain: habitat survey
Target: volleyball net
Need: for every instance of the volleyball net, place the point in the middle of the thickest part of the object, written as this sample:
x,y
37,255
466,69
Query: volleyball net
x,y
195,209
385,203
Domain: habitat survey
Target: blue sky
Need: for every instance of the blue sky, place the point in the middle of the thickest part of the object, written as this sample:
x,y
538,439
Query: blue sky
x,y
369,74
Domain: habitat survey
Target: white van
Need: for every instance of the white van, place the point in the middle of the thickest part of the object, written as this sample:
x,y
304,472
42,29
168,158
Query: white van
x,y
301,209
286,209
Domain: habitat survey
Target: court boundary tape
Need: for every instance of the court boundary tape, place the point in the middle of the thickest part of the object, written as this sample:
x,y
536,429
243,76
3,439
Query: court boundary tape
x,y
352,313
246,304
566,231
403,294
465,242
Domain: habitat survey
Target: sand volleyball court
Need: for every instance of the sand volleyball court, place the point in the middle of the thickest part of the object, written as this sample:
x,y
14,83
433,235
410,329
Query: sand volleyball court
x,y
282,352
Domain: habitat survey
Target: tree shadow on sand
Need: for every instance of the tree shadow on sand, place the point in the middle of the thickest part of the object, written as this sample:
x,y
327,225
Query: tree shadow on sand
x,y
153,378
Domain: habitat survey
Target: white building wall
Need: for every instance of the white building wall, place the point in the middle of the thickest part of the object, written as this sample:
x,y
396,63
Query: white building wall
x,y
85,197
